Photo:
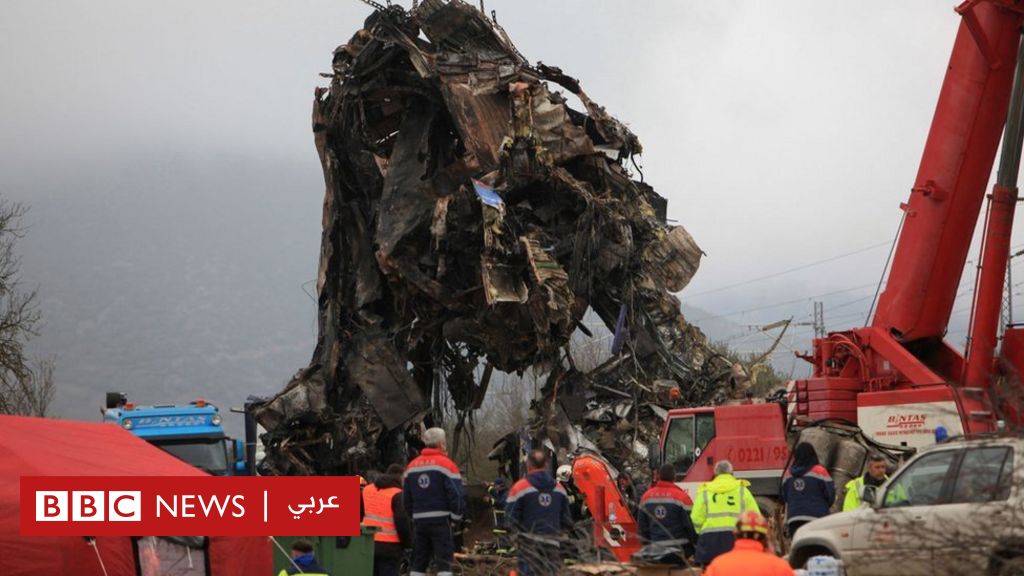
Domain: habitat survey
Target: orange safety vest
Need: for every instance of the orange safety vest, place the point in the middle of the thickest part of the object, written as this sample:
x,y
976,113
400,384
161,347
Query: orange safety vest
x,y
379,513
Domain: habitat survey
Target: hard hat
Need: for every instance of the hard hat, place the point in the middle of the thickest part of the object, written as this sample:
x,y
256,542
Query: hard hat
x,y
564,473
751,521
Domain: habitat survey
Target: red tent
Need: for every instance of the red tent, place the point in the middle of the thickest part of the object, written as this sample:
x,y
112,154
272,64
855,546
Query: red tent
x,y
42,447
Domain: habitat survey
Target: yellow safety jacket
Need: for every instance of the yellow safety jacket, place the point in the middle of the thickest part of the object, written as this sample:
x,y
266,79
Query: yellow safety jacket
x,y
853,491
855,487
720,502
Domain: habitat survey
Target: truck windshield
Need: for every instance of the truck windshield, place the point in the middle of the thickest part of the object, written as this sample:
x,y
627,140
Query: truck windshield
x,y
207,454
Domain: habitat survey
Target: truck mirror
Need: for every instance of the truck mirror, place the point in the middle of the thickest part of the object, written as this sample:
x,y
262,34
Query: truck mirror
x,y
654,455
115,399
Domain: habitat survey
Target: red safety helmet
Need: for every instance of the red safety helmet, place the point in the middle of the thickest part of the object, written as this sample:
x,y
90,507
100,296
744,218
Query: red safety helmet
x,y
751,521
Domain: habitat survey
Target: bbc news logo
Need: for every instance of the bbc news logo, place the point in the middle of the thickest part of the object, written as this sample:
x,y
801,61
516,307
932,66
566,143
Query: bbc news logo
x,y
211,506
89,506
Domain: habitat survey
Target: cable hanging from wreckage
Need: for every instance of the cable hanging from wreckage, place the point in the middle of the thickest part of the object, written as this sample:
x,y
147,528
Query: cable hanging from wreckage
x,y
472,218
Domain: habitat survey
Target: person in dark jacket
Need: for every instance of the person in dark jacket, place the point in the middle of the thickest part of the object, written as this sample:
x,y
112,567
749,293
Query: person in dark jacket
x,y
665,513
538,512
384,510
432,495
303,558
807,489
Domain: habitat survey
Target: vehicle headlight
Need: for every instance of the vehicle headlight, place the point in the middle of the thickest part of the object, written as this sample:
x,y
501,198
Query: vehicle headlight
x,y
216,420
127,424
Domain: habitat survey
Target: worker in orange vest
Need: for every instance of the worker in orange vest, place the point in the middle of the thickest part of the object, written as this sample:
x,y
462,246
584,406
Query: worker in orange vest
x,y
362,486
384,511
749,556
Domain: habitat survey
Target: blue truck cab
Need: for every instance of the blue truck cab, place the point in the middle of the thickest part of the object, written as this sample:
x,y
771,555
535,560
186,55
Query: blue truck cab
x,y
191,432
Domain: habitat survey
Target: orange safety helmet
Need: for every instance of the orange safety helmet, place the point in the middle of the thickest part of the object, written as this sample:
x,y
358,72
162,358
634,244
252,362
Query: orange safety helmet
x,y
751,521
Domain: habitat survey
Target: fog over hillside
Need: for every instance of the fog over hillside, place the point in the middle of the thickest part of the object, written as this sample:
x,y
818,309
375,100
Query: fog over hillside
x,y
173,277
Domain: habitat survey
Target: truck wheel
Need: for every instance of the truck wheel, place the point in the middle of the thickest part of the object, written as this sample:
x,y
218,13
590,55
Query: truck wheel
x,y
772,511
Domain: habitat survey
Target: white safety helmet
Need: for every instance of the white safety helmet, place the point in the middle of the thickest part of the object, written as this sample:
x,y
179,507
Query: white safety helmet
x,y
564,473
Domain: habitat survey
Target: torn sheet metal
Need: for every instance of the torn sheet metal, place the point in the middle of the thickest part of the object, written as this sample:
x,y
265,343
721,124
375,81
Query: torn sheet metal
x,y
472,218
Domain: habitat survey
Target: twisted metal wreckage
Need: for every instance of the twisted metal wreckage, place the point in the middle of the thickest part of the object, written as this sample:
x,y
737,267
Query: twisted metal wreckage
x,y
471,218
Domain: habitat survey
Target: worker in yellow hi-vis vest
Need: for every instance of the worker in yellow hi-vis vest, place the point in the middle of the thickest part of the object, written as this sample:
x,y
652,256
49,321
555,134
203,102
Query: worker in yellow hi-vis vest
x,y
715,509
874,475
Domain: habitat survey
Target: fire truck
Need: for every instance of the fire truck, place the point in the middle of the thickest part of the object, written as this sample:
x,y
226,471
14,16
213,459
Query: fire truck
x,y
888,385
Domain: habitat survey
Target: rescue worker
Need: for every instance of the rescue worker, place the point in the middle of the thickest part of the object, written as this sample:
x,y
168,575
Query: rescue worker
x,y
384,510
718,504
807,489
628,490
749,557
538,512
665,513
302,556
432,495
577,507
873,476
497,496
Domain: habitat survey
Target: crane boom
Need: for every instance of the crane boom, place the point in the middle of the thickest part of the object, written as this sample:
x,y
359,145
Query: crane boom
x,y
946,199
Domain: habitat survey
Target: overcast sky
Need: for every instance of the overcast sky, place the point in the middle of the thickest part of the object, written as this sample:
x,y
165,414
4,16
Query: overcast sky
x,y
782,133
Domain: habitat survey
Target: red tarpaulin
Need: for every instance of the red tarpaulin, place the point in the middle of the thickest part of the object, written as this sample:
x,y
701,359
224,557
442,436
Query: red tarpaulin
x,y
43,447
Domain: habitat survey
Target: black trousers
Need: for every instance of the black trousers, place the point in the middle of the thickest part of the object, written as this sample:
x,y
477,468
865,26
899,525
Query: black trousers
x,y
385,566
432,540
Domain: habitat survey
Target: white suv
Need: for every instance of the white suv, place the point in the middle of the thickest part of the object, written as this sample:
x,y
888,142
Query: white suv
x,y
954,508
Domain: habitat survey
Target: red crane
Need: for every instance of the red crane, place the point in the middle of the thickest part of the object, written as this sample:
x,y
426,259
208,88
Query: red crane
x,y
898,378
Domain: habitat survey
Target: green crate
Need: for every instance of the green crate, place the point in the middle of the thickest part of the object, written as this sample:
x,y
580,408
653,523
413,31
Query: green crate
x,y
340,559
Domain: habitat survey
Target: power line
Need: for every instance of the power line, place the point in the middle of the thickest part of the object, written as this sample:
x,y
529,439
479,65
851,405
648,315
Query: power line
x,y
791,270
777,304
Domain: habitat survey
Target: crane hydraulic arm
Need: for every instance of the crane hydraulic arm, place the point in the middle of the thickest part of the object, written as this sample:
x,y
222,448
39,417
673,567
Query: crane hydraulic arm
x,y
898,378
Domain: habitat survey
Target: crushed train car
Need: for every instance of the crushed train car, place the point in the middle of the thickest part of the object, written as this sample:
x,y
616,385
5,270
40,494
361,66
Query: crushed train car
x,y
471,218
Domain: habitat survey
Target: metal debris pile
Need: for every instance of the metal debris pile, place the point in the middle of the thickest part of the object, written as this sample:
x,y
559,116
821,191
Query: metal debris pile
x,y
471,218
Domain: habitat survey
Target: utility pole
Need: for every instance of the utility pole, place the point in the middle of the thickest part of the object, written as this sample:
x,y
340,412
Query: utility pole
x,y
819,320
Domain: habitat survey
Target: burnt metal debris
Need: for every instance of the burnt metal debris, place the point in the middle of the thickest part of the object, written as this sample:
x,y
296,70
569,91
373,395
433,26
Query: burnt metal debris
x,y
471,219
